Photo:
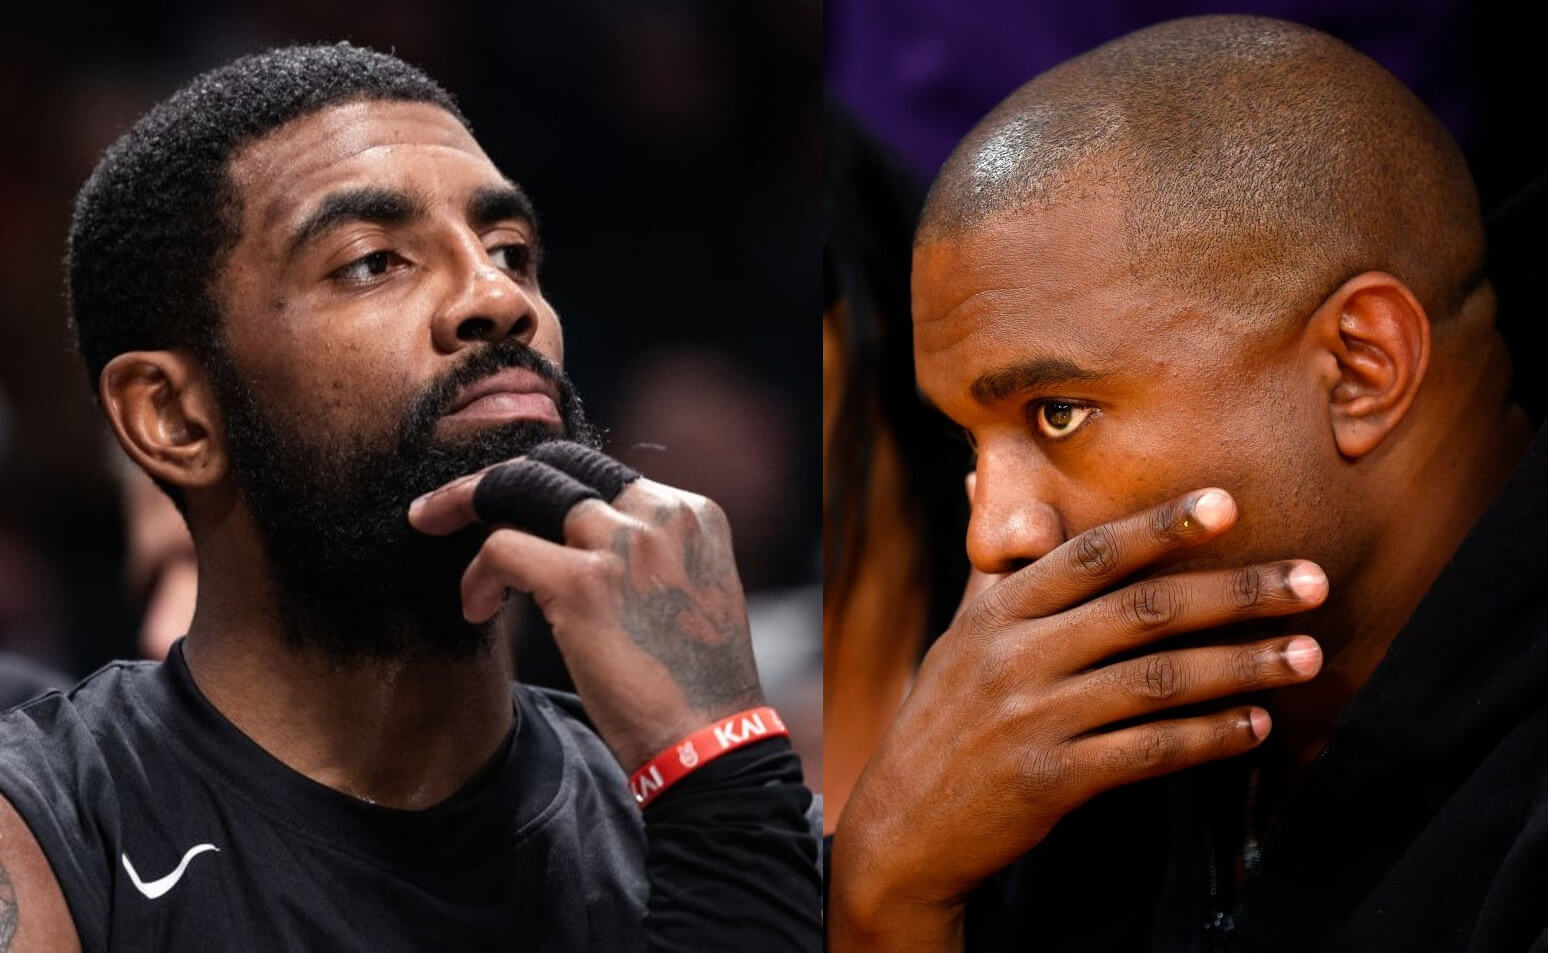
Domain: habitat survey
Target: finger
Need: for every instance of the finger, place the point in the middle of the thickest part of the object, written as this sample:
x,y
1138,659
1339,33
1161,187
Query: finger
x,y
592,524
1153,683
451,507
512,559
524,493
681,513
1100,558
1154,609
591,467
977,583
448,508
1115,758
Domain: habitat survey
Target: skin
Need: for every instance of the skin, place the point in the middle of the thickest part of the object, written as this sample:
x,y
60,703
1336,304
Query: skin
x,y
338,339
1098,540
161,562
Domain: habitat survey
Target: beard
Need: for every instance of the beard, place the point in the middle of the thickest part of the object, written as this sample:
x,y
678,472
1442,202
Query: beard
x,y
353,581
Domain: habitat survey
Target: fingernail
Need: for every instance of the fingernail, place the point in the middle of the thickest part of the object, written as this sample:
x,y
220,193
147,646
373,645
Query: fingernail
x,y
417,505
1307,581
1303,654
1260,723
1213,508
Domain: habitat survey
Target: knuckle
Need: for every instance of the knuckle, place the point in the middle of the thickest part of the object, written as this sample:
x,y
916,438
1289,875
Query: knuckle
x,y
1227,732
1039,770
1160,679
686,511
1247,665
499,544
1159,747
997,666
708,511
1095,552
595,572
1148,606
1246,587
646,545
990,610
1164,522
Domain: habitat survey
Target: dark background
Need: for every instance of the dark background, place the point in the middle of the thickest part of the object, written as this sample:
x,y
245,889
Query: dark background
x,y
920,73
673,151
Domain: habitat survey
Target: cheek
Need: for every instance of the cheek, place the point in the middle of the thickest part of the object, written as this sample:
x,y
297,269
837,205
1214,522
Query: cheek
x,y
1264,445
548,338
335,383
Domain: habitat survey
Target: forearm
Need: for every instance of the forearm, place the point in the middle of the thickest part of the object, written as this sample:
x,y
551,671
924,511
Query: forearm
x,y
864,917
732,859
901,928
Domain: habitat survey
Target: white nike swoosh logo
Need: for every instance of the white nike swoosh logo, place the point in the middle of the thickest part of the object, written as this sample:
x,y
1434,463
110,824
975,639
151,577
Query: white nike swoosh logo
x,y
156,888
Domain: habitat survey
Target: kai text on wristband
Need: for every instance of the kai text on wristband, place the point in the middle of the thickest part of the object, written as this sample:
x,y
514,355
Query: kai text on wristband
x,y
702,747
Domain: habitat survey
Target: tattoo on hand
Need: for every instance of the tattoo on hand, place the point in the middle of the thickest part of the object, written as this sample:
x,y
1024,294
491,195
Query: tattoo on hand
x,y
8,910
699,633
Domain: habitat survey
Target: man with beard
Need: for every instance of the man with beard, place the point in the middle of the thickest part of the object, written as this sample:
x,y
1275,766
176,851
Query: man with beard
x,y
1265,662
308,301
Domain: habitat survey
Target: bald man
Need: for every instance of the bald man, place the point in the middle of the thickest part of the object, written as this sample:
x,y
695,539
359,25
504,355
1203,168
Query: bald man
x,y
1262,661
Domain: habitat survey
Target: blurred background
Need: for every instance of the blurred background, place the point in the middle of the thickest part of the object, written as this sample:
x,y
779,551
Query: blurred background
x,y
673,150
919,73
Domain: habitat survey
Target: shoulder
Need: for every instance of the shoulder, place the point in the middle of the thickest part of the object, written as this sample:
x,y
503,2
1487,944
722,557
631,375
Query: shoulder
x,y
563,713
592,779
22,679
57,731
54,732
58,815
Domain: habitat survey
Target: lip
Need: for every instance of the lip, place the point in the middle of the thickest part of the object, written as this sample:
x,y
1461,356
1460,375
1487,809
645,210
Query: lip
x,y
514,393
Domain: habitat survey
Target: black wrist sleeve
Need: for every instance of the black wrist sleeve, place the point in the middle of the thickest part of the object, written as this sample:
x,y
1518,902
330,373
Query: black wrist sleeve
x,y
732,859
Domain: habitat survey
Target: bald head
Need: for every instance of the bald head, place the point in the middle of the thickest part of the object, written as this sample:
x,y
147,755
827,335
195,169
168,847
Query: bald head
x,y
1260,164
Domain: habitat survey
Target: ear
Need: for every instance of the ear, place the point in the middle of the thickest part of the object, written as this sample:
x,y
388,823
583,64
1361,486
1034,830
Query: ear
x,y
163,411
1378,337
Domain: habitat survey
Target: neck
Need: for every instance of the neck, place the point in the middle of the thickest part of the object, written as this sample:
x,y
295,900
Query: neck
x,y
1471,439
405,732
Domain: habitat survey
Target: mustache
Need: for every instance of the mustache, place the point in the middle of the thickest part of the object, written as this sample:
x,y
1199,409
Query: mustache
x,y
491,359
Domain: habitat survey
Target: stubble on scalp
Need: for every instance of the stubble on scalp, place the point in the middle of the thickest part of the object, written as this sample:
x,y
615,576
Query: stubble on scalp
x,y
1260,164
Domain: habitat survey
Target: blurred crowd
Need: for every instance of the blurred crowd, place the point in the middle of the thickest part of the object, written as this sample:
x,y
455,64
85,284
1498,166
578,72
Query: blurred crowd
x,y
673,150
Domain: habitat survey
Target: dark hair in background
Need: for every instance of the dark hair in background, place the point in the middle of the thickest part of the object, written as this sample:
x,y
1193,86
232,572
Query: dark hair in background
x,y
159,214
870,209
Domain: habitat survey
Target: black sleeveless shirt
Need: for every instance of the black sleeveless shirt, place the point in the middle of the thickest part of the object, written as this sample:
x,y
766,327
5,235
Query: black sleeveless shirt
x,y
168,829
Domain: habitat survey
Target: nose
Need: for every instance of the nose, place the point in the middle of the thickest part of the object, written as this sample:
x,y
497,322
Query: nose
x,y
1013,523
485,305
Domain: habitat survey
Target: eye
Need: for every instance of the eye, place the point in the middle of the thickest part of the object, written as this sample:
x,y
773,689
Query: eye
x,y
516,258
367,268
1057,419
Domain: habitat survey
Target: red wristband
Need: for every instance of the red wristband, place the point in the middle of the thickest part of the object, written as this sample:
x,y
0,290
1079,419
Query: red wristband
x,y
702,747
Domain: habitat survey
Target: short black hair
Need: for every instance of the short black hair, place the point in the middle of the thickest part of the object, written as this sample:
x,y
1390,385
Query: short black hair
x,y
158,215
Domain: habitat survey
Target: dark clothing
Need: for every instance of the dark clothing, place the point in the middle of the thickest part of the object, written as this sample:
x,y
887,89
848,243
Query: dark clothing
x,y
168,830
1423,826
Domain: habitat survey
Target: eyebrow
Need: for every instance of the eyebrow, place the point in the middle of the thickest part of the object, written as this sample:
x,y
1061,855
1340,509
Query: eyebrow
x,y
364,204
998,384
493,204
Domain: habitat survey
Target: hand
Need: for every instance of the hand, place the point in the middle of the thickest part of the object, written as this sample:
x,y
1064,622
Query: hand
x,y
1003,734
643,599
